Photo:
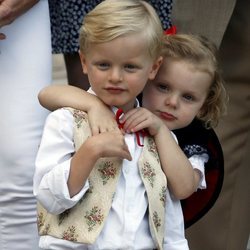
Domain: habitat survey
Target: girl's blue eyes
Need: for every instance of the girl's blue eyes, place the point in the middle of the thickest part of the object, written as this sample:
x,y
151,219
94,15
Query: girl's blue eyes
x,y
162,87
188,97
166,89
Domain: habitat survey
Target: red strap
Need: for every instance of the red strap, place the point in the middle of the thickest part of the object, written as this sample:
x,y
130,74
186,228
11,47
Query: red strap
x,y
118,114
143,133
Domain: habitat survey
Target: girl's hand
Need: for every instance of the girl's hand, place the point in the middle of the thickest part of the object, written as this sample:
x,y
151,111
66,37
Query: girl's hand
x,y
141,118
101,119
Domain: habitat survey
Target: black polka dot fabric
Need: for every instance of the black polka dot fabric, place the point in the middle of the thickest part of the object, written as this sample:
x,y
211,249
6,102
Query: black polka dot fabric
x,y
163,9
67,16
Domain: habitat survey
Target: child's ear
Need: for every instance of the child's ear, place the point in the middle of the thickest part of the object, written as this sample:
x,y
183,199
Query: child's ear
x,y
155,67
83,62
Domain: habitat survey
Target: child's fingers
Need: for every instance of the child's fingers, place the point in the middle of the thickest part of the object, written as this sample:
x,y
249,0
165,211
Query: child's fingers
x,y
112,144
133,117
105,127
121,146
137,118
126,154
128,115
137,122
137,127
95,130
108,128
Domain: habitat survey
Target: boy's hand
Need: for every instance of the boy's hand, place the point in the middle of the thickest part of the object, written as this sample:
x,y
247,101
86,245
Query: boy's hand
x,y
101,119
141,118
107,144
110,144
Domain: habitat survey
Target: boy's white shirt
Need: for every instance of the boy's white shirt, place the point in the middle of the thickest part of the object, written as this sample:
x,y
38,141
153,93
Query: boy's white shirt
x,y
126,226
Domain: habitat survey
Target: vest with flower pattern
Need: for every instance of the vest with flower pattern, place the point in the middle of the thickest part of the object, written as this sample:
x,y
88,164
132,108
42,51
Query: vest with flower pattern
x,y
84,222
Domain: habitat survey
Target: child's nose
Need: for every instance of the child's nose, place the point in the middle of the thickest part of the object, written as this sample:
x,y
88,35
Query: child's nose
x,y
172,100
115,75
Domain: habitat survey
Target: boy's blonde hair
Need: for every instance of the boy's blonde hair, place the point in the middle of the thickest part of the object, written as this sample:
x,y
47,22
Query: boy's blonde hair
x,y
202,54
114,18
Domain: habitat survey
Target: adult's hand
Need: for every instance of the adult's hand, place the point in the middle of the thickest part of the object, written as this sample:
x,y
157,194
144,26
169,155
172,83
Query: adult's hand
x,y
2,36
11,9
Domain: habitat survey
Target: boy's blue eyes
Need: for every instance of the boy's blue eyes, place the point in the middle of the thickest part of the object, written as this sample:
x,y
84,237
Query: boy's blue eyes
x,y
104,66
130,66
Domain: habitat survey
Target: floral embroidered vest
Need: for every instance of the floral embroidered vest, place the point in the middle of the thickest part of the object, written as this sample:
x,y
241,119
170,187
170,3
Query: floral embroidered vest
x,y
84,222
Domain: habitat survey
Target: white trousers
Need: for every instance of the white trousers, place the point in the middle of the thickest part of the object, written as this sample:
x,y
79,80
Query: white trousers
x,y
25,68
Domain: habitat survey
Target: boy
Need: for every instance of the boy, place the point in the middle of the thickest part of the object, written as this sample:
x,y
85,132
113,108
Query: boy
x,y
92,182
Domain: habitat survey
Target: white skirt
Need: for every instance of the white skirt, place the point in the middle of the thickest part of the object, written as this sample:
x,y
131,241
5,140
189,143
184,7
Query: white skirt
x,y
25,68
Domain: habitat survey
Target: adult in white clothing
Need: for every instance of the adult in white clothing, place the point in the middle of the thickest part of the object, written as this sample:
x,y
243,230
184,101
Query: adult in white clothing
x,y
25,68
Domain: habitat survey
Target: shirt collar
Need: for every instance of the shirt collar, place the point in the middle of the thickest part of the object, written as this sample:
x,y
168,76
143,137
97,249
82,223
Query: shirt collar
x,y
114,109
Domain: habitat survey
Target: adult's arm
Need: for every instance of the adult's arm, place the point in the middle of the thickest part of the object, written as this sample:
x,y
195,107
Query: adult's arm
x,y
12,9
